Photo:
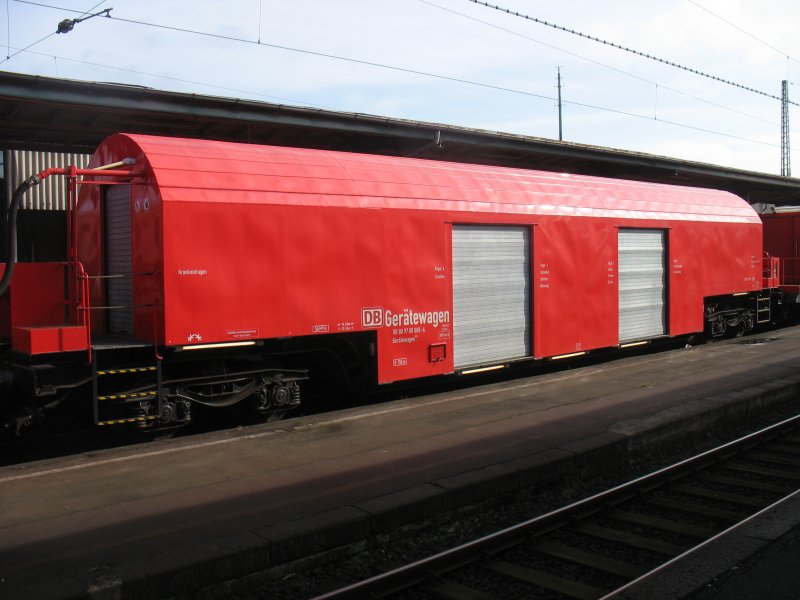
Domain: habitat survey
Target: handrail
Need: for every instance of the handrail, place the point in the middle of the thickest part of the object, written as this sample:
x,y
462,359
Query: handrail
x,y
83,305
159,358
771,271
123,275
78,300
72,173
118,306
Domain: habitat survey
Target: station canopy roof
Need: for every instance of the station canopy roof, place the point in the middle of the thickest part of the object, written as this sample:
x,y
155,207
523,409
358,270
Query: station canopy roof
x,y
41,113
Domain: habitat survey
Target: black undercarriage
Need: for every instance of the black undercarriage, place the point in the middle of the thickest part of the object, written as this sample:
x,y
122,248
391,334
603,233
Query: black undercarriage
x,y
741,313
135,386
132,385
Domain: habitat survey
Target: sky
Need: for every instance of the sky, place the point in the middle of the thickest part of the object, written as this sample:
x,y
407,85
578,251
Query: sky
x,y
455,62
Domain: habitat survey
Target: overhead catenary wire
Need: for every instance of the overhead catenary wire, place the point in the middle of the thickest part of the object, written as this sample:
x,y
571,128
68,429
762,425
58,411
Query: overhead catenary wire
x,y
552,98
8,29
39,41
600,64
308,52
260,7
301,51
744,31
294,101
406,70
392,67
627,49
9,56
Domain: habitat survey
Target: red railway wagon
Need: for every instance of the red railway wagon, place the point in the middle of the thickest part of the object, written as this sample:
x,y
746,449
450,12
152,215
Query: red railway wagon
x,y
782,239
233,272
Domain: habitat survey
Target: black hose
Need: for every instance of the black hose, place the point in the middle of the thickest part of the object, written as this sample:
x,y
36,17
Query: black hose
x,y
11,229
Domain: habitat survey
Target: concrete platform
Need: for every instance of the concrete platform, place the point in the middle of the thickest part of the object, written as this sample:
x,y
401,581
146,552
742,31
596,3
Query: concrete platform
x,y
154,520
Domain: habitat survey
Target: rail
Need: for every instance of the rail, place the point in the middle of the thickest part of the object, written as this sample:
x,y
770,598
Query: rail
x,y
713,491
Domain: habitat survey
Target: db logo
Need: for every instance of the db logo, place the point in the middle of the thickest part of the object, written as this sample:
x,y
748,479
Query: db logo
x,y
371,317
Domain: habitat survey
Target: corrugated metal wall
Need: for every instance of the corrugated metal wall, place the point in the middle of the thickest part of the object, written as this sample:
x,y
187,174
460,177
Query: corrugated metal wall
x,y
118,258
491,294
642,287
51,193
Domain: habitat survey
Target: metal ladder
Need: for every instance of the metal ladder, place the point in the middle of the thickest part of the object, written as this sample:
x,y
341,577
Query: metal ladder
x,y
763,307
112,390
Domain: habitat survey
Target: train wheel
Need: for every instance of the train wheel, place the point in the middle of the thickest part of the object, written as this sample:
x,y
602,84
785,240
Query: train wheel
x,y
175,414
271,403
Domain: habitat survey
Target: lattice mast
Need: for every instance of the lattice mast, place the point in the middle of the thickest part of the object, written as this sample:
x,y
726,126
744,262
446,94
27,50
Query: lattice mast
x,y
786,161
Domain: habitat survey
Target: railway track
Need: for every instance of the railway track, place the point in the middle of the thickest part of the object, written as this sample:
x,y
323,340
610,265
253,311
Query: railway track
x,y
594,547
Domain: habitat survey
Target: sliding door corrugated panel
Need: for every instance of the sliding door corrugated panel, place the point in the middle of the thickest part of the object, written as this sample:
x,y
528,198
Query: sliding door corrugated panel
x,y
642,284
119,290
491,294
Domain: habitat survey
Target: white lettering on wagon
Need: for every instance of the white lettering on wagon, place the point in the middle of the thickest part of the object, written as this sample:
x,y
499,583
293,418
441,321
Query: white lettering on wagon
x,y
372,316
200,272
241,334
379,317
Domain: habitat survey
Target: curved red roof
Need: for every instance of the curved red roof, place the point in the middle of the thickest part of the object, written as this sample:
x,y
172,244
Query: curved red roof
x,y
200,170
